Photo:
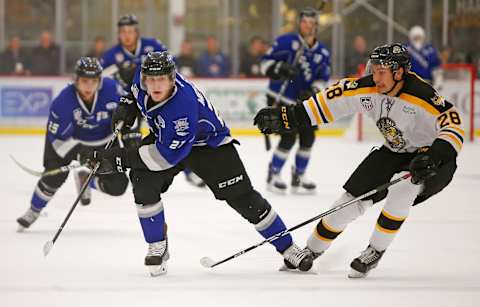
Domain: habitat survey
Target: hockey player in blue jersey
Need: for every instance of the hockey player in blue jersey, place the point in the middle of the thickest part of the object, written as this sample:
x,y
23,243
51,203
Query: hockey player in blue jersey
x,y
80,117
121,62
425,60
185,131
297,65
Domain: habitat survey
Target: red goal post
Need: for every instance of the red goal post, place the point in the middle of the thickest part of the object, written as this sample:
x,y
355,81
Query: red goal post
x,y
458,87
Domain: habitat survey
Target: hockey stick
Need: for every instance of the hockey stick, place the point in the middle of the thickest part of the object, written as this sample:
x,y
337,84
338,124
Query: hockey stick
x,y
55,171
210,263
49,244
283,87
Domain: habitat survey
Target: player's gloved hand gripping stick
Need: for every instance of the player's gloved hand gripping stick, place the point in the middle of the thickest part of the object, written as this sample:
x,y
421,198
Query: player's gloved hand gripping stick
x,y
49,244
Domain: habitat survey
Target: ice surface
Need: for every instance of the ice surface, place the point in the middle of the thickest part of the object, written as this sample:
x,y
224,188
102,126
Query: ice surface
x,y
98,259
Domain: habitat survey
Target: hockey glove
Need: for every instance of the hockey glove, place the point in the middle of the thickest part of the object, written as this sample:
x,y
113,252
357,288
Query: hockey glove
x,y
126,112
279,119
113,160
422,167
282,70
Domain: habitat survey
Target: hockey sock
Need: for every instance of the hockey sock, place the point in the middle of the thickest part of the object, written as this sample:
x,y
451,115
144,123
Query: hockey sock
x,y
272,224
332,225
302,157
322,237
152,220
397,206
41,196
278,160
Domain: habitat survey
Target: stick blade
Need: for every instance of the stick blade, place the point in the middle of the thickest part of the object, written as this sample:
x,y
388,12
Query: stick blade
x,y
26,169
47,247
207,262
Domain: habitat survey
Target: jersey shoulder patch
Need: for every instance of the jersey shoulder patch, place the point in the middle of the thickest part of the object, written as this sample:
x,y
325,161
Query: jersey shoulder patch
x,y
418,88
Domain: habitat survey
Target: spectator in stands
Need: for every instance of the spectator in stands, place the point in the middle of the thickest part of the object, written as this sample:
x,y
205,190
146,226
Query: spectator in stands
x,y
357,56
14,60
186,61
250,60
213,63
99,47
424,57
45,58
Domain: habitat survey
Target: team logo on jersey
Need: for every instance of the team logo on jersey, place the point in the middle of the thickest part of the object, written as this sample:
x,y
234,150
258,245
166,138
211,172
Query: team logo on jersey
x,y
388,104
119,57
181,126
352,85
438,100
112,105
391,133
409,110
366,103
295,45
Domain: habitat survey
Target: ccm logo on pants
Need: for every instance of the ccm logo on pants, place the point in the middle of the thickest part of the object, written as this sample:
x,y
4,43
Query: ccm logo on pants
x,y
230,182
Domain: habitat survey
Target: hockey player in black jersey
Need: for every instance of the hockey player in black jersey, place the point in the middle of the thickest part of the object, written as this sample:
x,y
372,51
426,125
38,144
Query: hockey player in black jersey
x,y
423,135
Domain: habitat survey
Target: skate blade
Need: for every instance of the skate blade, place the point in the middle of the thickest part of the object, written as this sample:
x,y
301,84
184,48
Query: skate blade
x,y
157,270
21,229
302,191
313,270
354,274
276,190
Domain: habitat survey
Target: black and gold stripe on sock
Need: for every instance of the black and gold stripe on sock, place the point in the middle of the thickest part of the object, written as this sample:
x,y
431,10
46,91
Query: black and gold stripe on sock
x,y
388,223
325,232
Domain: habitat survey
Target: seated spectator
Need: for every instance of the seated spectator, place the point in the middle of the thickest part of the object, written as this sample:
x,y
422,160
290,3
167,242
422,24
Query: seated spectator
x,y
14,60
250,61
185,60
45,58
99,47
357,56
213,63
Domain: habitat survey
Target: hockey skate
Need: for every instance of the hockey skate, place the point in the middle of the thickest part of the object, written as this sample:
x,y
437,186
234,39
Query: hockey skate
x,y
193,179
156,259
367,260
275,183
302,185
306,250
296,258
80,177
27,219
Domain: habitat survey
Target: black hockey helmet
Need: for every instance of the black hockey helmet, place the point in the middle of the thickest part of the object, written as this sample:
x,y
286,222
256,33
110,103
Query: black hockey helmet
x,y
88,67
158,63
127,20
308,12
393,55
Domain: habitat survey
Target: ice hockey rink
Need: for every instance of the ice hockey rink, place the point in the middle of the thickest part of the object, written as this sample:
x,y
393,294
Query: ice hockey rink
x,y
98,259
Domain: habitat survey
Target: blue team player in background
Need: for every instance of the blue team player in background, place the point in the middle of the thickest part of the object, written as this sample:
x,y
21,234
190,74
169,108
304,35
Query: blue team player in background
x,y
80,117
185,131
298,65
121,62
425,60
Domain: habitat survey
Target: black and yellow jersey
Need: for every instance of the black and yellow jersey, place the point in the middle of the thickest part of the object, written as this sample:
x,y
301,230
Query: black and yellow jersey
x,y
414,118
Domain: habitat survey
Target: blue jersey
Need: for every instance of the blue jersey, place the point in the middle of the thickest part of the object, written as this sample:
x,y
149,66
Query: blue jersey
x,y
119,55
70,122
424,61
313,64
183,120
213,66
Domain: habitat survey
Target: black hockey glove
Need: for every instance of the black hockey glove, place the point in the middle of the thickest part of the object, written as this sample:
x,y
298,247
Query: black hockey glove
x,y
126,112
125,73
282,70
422,167
280,119
113,160
133,138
